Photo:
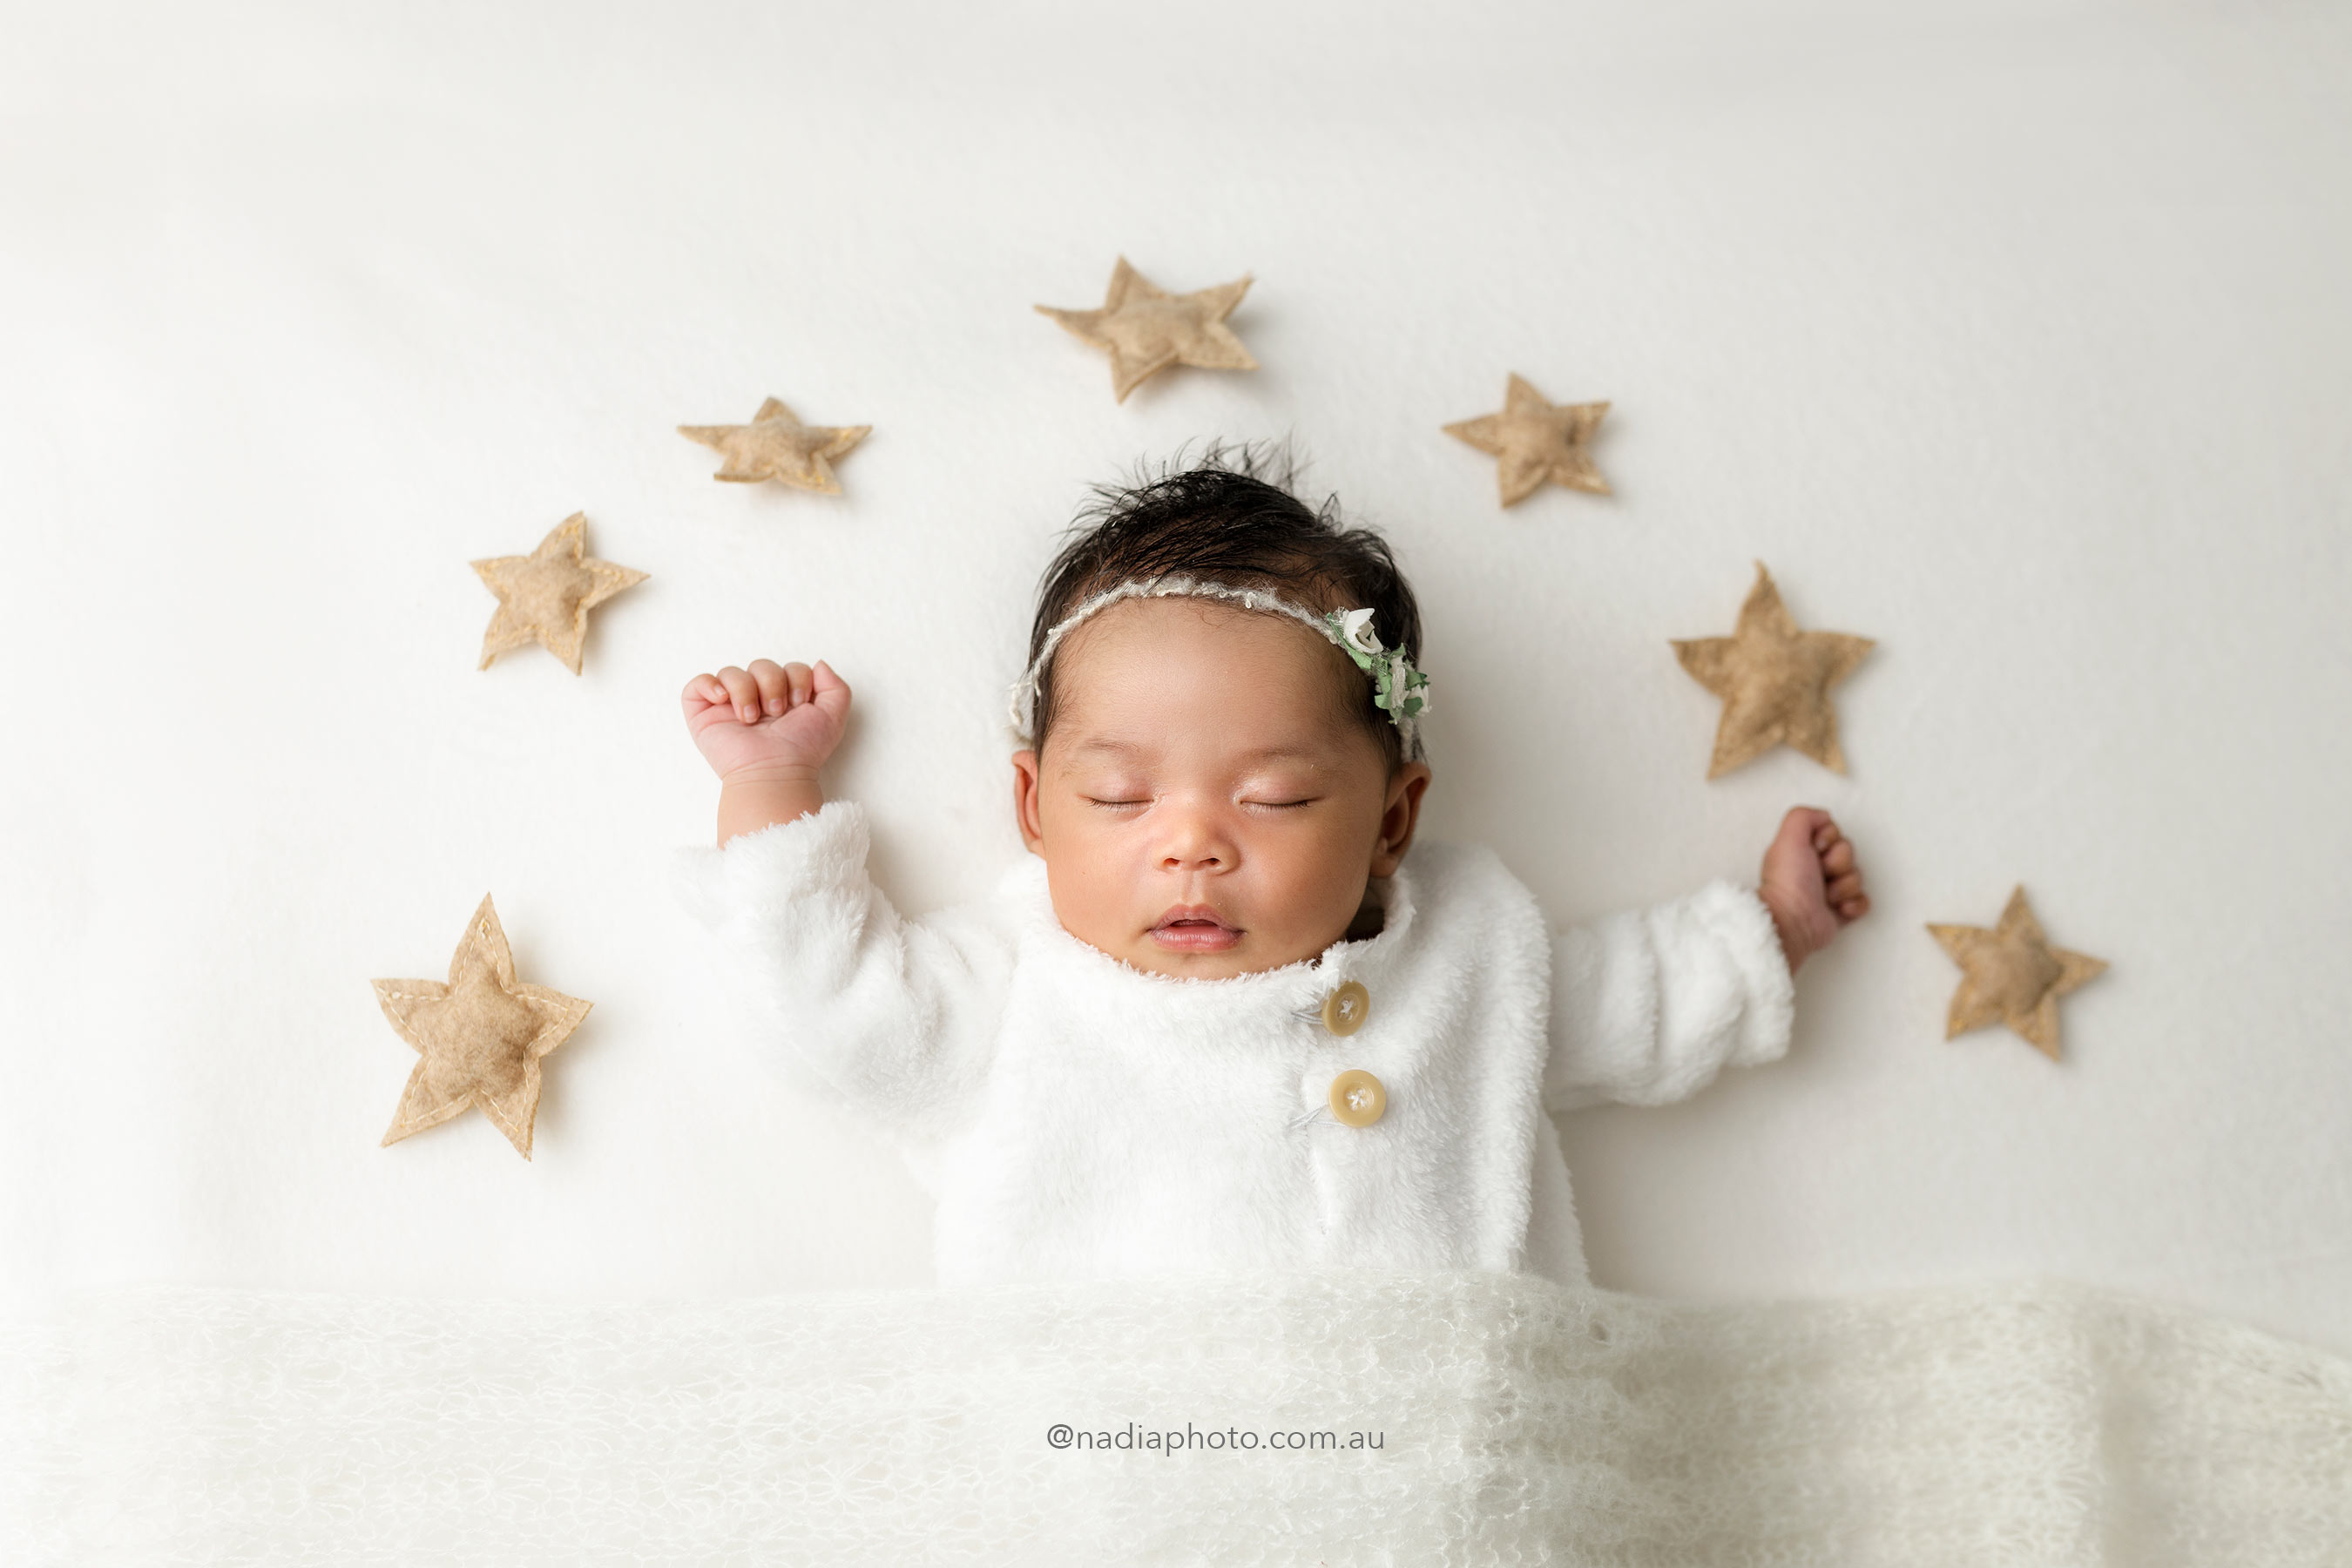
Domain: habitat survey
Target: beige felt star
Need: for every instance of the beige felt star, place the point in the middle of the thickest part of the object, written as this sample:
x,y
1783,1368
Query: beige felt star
x,y
480,1035
545,596
1537,441
2011,974
1774,682
1147,328
777,446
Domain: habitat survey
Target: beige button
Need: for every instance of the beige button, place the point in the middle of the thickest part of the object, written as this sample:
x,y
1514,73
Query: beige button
x,y
1345,1010
1358,1099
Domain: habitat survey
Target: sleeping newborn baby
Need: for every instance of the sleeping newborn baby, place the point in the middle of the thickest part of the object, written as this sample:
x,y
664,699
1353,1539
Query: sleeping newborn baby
x,y
1226,1014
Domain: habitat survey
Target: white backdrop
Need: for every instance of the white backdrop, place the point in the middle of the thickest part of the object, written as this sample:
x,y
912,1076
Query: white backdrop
x,y
2014,336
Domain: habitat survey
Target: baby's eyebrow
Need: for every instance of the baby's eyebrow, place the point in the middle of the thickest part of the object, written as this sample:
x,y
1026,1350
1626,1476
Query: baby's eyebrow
x,y
1274,753
1131,749
1102,743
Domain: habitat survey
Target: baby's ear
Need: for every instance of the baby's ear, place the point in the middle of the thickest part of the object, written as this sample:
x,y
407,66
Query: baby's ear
x,y
1026,816
1400,817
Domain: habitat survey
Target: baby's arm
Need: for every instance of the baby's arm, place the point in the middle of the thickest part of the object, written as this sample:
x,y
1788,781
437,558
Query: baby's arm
x,y
1648,1006
894,1017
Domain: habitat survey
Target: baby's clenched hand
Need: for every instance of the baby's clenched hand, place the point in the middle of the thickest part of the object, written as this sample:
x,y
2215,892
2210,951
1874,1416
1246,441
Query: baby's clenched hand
x,y
1811,883
770,721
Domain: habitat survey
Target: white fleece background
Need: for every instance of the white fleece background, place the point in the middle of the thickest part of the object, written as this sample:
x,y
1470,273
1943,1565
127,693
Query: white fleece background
x,y
2014,335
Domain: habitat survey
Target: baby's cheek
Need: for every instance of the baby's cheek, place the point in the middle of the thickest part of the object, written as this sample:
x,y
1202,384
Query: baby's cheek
x,y
1095,878
1312,880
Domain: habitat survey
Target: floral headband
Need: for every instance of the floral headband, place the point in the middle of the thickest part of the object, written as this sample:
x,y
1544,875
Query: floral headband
x,y
1399,689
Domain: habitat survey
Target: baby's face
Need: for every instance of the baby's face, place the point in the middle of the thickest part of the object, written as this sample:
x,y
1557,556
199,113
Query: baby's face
x,y
1204,806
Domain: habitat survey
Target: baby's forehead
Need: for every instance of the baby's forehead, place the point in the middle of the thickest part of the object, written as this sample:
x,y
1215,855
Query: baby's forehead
x,y
1248,730
1140,627
1265,655
1204,679
1095,745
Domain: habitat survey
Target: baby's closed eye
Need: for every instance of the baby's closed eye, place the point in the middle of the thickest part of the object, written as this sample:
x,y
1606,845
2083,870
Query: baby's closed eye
x,y
1278,791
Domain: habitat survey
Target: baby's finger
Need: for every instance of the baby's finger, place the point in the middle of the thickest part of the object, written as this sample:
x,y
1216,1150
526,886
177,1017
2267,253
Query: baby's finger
x,y
802,683
703,690
1826,835
774,688
828,690
1838,858
1845,889
742,691
1853,909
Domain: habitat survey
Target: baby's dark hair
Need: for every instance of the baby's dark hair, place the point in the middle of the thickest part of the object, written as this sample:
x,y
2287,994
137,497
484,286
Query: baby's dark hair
x,y
1229,516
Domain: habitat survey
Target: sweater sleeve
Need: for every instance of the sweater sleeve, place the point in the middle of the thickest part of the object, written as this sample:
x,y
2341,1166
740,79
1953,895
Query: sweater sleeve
x,y
1647,1006
890,1017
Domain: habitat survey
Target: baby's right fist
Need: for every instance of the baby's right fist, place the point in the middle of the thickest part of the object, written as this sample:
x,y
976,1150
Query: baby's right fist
x,y
769,722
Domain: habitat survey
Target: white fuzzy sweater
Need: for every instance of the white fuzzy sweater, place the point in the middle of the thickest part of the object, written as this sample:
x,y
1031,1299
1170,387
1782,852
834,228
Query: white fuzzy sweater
x,y
1080,1117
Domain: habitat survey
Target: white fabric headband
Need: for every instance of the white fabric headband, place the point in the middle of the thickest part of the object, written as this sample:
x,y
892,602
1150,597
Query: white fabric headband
x,y
1397,688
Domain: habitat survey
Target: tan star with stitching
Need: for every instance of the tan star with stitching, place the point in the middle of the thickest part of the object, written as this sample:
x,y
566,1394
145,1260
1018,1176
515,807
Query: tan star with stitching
x,y
481,1036
777,446
2011,974
1147,328
1535,441
545,596
1774,680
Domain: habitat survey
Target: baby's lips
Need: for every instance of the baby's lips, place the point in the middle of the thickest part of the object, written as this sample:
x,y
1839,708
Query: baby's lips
x,y
1193,931
1194,913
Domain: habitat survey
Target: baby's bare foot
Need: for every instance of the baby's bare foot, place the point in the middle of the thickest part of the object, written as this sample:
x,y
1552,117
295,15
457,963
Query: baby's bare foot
x,y
1811,883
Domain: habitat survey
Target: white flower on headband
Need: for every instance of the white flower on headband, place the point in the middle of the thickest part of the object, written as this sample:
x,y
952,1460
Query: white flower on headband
x,y
1356,631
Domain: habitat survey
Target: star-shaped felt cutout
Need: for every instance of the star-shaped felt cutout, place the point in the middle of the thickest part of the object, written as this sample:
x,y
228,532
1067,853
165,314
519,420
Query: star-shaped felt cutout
x,y
1535,441
1774,682
480,1037
1147,328
545,596
2011,974
777,446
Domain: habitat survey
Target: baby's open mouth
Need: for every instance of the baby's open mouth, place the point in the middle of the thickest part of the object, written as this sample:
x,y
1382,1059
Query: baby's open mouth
x,y
1194,928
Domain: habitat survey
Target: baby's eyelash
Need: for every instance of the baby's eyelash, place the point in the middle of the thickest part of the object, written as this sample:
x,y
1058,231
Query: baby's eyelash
x,y
1270,805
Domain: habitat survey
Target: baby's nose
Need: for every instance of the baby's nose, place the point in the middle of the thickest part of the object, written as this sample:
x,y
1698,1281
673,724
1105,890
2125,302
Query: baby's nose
x,y
1196,841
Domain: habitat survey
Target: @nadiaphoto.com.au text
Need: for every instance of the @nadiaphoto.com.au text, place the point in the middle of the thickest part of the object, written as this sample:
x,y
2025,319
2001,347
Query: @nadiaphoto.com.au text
x,y
1172,1440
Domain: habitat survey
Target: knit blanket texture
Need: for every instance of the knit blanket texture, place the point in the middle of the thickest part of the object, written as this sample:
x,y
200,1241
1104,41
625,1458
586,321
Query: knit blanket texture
x,y
1472,1418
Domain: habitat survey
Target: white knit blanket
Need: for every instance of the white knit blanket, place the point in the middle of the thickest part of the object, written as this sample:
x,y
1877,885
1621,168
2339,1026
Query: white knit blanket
x,y
1518,1421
